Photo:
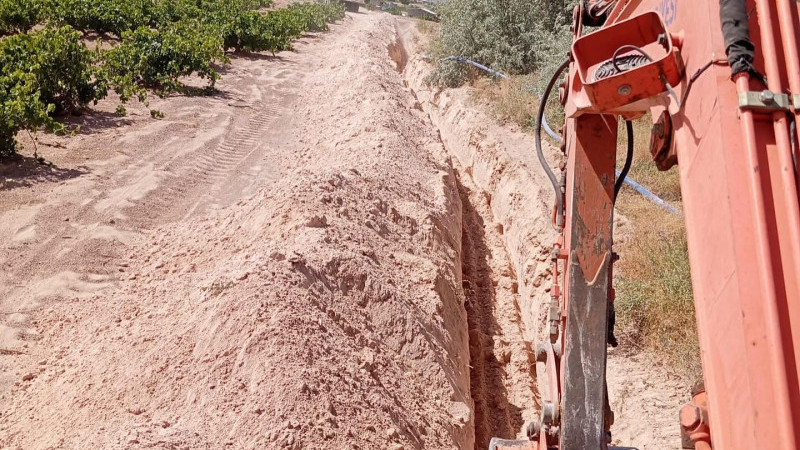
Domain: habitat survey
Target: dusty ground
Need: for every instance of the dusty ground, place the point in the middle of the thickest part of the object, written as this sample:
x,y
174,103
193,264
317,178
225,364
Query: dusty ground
x,y
326,254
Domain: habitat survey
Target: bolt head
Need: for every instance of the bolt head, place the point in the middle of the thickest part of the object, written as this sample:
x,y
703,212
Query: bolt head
x,y
625,90
767,96
690,417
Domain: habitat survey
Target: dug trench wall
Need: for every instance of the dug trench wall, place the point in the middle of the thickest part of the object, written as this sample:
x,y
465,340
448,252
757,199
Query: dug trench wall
x,y
518,195
511,201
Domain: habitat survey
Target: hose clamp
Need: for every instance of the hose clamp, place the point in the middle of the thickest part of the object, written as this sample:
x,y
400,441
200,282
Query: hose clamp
x,y
764,101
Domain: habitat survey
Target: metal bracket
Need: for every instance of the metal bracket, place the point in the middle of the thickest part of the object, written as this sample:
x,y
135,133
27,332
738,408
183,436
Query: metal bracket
x,y
796,101
554,318
502,444
764,101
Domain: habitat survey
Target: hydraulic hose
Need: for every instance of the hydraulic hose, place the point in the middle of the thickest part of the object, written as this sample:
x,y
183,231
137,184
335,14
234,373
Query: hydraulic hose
x,y
628,48
539,119
628,160
736,32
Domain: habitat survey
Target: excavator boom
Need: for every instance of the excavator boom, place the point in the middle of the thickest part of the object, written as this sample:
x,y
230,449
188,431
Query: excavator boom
x,y
721,81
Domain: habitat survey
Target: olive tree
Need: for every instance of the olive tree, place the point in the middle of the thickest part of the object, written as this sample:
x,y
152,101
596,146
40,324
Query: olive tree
x,y
512,36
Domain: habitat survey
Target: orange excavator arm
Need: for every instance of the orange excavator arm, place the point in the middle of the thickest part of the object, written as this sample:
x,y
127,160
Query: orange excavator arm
x,y
721,79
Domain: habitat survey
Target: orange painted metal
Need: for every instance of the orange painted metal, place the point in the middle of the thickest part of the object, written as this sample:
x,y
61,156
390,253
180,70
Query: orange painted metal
x,y
789,35
553,394
591,190
661,148
782,64
642,83
588,242
740,196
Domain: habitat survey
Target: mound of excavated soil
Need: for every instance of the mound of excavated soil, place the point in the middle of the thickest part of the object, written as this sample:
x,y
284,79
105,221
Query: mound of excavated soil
x,y
324,312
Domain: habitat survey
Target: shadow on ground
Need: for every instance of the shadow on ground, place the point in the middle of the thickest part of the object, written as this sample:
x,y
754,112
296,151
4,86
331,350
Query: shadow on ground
x,y
24,171
495,415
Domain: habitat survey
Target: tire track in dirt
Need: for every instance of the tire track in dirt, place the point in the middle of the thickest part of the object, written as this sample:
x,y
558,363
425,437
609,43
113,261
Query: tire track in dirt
x,y
204,177
76,236
124,203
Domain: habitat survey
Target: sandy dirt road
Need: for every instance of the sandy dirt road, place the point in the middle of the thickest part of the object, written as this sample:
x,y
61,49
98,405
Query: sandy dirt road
x,y
323,255
276,266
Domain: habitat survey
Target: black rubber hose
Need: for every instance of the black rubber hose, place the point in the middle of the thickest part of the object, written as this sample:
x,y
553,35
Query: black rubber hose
x,y
540,153
628,47
736,32
628,160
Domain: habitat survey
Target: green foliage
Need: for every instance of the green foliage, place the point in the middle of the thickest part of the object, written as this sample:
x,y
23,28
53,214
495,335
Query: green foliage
x,y
157,42
103,16
158,58
43,73
17,16
335,11
246,5
216,12
63,68
274,31
20,108
252,31
515,37
244,29
316,16
118,16
654,304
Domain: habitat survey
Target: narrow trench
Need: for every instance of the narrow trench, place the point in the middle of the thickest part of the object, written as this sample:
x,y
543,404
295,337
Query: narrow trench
x,y
495,415
495,363
398,52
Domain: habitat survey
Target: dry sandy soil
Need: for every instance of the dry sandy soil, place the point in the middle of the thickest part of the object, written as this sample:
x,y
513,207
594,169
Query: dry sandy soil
x,y
326,254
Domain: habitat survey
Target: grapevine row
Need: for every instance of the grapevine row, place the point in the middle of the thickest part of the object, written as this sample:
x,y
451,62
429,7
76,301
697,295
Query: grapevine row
x,y
60,56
